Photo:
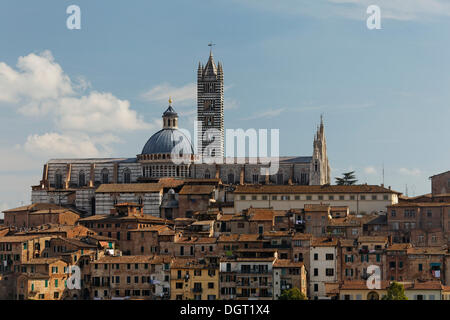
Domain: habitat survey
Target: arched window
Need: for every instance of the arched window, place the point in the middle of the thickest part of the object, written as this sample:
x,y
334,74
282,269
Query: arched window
x,y
58,179
178,171
140,200
81,179
230,178
280,178
105,175
126,175
207,174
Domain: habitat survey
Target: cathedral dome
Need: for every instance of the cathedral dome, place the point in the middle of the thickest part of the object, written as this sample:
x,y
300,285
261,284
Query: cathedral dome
x,y
164,141
169,138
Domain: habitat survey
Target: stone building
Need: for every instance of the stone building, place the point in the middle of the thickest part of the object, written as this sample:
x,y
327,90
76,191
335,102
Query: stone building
x,y
169,153
287,275
130,277
194,279
360,199
440,184
37,214
323,264
42,279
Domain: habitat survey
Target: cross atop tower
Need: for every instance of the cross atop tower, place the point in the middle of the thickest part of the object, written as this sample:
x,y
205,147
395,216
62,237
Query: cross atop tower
x,y
210,45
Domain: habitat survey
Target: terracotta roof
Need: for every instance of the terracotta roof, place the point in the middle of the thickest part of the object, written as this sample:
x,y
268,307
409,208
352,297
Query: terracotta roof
x,y
324,242
170,182
18,238
426,250
43,261
259,214
399,246
317,207
273,233
196,240
146,218
129,187
156,228
347,243
124,259
228,237
77,243
225,217
182,263
290,189
249,237
202,222
256,259
439,174
372,239
302,236
428,285
286,263
419,204
197,189
362,285
34,207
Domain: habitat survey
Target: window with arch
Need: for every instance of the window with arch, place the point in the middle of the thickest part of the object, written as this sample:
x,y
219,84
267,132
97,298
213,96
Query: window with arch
x,y
279,178
140,200
126,175
230,178
207,174
105,175
58,179
81,179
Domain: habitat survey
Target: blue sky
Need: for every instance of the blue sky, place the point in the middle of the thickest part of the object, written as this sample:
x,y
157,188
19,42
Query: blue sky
x,y
384,93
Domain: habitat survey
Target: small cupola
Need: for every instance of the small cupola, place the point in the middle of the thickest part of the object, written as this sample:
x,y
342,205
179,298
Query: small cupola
x,y
170,117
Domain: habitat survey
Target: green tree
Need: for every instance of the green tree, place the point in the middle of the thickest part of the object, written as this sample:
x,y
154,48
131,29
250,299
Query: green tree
x,y
292,294
396,291
348,179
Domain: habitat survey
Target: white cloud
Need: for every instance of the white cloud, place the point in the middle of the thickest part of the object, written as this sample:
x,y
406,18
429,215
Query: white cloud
x,y
38,87
410,172
266,114
37,78
181,96
370,170
98,112
61,145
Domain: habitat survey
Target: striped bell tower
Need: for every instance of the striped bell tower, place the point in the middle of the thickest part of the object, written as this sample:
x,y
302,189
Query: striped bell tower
x,y
210,100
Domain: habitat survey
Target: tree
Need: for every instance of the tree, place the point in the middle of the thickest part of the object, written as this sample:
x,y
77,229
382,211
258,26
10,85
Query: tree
x,y
348,179
396,291
292,294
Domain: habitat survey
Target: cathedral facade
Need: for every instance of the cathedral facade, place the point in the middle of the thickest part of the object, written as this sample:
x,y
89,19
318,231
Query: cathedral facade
x,y
75,181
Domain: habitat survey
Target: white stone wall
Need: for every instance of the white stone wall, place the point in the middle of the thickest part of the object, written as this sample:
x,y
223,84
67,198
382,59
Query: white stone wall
x,y
355,206
321,264
104,202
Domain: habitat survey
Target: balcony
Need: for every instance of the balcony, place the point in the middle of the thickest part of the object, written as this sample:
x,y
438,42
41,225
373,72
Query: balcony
x,y
252,271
